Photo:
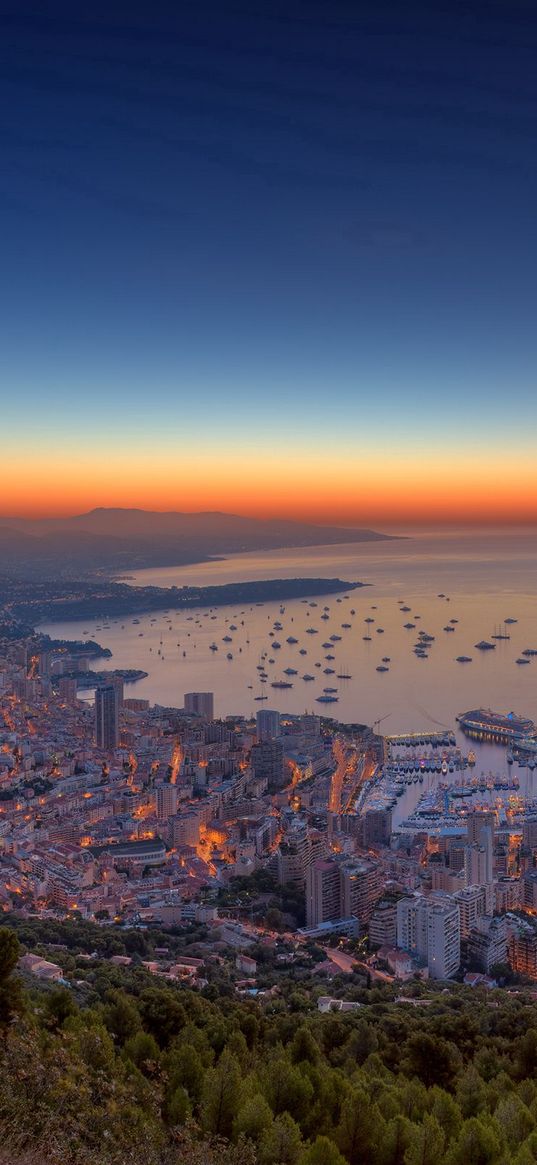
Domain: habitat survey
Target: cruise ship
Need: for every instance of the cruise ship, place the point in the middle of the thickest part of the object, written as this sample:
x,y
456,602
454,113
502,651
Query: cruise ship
x,y
483,724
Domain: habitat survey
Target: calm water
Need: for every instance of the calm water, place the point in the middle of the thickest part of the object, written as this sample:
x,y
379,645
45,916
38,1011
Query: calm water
x,y
487,576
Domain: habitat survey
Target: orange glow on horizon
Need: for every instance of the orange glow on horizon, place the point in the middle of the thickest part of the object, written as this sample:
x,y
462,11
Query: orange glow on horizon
x,y
382,488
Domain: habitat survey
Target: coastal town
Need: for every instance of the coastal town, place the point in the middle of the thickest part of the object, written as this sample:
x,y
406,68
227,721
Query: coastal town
x,y
278,830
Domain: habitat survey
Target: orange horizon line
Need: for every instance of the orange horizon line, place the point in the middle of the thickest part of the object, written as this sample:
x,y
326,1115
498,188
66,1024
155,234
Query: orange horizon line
x,y
482,518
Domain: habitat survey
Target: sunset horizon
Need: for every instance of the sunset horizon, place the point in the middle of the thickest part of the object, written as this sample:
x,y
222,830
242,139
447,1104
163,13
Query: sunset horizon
x,y
268,551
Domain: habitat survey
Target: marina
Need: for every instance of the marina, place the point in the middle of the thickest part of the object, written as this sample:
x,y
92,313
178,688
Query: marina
x,y
422,691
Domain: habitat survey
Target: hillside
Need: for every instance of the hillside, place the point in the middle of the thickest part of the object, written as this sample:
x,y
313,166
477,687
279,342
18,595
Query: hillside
x,y
120,1066
121,540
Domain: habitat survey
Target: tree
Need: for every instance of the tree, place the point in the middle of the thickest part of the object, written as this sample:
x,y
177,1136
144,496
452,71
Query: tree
x,y
253,1119
285,1088
304,1046
526,1054
477,1144
514,1119
162,1014
446,1111
323,1151
221,1096
59,1006
184,1068
434,1061
144,1052
426,1144
471,1092
178,1107
395,1141
282,1142
10,991
121,1016
361,1129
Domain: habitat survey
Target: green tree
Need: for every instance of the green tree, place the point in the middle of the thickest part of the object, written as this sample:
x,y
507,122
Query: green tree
x,y
395,1140
362,1043
446,1111
59,1006
121,1016
361,1129
253,1119
471,1092
221,1096
162,1014
426,1145
144,1052
434,1061
526,1054
514,1119
184,1068
476,1144
285,1088
304,1046
323,1151
281,1143
10,991
178,1107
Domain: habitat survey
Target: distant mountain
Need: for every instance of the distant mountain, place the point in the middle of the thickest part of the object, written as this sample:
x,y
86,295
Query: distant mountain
x,y
125,540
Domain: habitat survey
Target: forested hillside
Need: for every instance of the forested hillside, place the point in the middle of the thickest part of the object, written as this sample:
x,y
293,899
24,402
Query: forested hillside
x,y
120,1068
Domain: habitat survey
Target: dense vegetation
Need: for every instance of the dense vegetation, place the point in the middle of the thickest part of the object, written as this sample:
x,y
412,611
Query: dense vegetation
x,y
123,1067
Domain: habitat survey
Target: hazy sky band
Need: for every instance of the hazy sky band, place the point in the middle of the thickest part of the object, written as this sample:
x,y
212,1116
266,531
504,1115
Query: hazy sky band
x,y
269,260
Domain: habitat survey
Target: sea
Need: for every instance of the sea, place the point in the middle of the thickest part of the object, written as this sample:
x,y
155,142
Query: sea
x,y
470,580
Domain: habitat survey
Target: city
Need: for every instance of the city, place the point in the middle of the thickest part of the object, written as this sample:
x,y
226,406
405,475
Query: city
x,y
268,562
131,814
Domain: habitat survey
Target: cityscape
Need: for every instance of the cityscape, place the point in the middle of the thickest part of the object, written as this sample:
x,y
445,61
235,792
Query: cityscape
x,y
121,812
268,583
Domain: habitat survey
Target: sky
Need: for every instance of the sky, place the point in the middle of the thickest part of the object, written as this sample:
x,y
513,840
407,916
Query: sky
x,y
275,258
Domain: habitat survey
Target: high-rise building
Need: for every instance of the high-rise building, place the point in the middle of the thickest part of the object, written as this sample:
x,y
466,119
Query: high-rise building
x,y
342,887
487,943
266,760
383,924
200,704
106,718
361,887
430,929
166,800
476,822
472,903
298,849
267,725
117,683
522,947
68,690
323,892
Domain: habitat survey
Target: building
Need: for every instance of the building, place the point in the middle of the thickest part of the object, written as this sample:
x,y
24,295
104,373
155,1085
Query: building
x,y
383,924
430,929
472,903
107,718
200,704
297,850
166,800
477,821
522,947
507,894
268,725
266,760
487,942
341,888
68,690
361,887
322,892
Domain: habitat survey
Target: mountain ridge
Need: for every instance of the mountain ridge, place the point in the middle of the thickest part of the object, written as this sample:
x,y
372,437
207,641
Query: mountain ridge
x,y
116,540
